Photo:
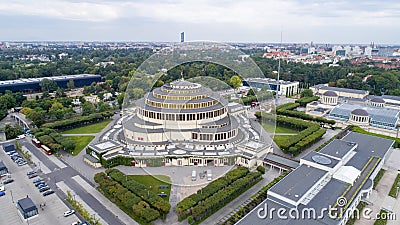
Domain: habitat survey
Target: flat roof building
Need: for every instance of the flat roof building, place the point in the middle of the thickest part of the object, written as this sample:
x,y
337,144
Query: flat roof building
x,y
341,92
321,179
27,208
33,84
286,88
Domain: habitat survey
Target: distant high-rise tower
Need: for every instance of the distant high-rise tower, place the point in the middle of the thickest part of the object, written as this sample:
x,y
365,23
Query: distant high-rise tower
x,y
182,36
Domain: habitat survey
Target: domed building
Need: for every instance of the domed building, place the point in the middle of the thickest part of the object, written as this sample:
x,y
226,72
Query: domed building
x,y
377,102
359,116
329,98
181,112
184,123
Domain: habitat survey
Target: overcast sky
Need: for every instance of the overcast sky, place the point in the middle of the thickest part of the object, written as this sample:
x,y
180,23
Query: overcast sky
x,y
333,21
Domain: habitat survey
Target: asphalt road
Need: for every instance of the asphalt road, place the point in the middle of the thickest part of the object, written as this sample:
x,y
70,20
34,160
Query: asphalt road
x,y
65,174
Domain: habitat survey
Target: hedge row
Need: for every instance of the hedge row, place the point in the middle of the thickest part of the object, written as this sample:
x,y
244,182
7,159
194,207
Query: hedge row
x,y
297,143
287,110
78,121
256,199
212,188
224,196
54,140
307,141
125,199
141,190
305,100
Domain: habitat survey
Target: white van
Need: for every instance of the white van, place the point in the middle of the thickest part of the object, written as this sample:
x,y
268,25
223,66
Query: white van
x,y
194,175
2,187
209,175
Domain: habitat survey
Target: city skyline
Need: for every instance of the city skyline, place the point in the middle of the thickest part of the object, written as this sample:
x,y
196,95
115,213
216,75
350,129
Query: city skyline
x,y
301,21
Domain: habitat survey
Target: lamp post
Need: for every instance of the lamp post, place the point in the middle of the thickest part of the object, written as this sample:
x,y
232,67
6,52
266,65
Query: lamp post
x,y
12,198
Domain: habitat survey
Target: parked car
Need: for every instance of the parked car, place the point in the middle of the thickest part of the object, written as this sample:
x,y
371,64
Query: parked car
x,y
8,181
22,163
76,223
2,193
20,137
49,192
32,176
45,188
40,183
69,212
30,173
10,153
37,180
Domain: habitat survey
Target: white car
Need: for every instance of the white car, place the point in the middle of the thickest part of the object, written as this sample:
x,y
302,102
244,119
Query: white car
x,y
69,212
20,137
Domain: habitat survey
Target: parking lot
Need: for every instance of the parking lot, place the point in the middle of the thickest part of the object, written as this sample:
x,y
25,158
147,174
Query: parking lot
x,y
52,212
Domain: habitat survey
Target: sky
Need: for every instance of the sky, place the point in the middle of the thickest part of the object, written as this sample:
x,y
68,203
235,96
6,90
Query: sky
x,y
300,21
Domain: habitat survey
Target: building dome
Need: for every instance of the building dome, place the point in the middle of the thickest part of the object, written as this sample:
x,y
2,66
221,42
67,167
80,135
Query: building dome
x,y
378,100
360,112
181,112
330,94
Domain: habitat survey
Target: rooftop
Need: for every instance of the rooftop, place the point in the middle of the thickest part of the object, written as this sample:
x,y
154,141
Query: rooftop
x,y
38,80
26,204
105,146
338,148
348,90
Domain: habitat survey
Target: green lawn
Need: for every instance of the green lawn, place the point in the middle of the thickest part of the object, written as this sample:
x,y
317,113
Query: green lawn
x,y
393,191
89,129
80,142
153,182
269,127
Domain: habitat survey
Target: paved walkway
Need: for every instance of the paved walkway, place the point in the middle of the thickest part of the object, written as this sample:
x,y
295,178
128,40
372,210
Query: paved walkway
x,y
380,199
268,177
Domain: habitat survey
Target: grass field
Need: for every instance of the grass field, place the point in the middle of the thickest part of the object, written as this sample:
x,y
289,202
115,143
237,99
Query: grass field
x,y
281,139
89,129
270,128
154,182
80,143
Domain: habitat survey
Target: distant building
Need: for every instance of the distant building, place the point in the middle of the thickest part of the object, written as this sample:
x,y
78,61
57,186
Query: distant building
x,y
182,36
33,84
286,88
320,89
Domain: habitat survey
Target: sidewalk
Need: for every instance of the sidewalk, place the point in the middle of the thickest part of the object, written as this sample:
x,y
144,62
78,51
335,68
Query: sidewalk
x,y
107,203
268,177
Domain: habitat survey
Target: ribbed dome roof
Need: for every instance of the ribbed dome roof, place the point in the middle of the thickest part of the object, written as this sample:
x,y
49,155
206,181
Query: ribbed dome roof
x,y
378,100
183,84
330,93
360,112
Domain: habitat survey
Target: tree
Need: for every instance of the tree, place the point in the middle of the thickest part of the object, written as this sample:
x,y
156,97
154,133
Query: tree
x,y
12,132
251,93
37,115
306,93
7,101
60,93
87,108
103,107
56,110
71,84
235,82
120,99
48,85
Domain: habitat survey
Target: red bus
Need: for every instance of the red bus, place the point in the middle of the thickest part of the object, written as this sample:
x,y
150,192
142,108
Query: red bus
x,y
36,142
46,150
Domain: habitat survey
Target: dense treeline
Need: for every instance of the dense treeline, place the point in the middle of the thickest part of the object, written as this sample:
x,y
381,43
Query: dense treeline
x,y
78,121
